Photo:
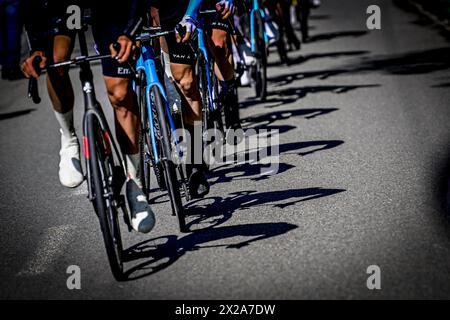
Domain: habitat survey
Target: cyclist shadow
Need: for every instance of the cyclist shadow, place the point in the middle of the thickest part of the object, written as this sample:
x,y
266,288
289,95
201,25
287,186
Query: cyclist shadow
x,y
214,211
161,252
277,98
285,79
246,171
15,114
305,58
338,34
228,172
302,92
269,118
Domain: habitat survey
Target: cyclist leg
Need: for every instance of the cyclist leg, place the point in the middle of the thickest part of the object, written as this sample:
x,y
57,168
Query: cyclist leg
x,y
220,47
304,9
56,47
59,85
286,18
61,95
182,62
120,93
275,10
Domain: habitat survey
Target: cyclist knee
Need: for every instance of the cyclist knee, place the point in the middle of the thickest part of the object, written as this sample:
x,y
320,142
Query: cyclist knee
x,y
62,72
118,92
220,42
58,74
61,53
187,85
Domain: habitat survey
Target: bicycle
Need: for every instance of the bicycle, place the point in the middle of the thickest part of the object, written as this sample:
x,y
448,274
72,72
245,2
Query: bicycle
x,y
104,164
160,144
208,82
259,45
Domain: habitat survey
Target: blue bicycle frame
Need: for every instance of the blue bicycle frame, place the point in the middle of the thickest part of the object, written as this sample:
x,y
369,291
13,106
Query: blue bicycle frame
x,y
147,64
256,8
203,48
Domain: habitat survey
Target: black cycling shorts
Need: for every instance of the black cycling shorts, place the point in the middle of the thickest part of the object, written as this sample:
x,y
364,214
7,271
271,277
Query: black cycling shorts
x,y
104,36
214,21
180,53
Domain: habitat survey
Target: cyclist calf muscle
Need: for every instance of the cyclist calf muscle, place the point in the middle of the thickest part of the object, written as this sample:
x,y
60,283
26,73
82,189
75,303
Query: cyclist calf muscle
x,y
122,99
184,77
222,54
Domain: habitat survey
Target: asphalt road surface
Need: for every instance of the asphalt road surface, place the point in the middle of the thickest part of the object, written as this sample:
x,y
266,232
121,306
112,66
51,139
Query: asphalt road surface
x,y
364,142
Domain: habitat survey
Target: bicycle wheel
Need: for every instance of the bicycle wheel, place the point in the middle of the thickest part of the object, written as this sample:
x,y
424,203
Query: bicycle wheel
x,y
260,68
167,151
212,119
101,166
147,157
217,113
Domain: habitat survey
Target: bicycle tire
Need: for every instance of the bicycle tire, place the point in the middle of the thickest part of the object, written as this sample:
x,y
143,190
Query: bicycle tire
x,y
166,149
217,114
101,168
261,60
211,120
147,157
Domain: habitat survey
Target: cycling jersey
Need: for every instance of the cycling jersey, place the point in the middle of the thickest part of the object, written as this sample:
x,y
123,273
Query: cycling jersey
x,y
170,14
170,11
46,18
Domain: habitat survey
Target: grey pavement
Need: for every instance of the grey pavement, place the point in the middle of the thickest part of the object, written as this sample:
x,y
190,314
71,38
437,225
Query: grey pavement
x,y
364,141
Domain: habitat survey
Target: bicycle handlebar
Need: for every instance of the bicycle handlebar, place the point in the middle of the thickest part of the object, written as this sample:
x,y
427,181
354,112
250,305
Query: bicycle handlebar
x,y
33,92
207,12
148,36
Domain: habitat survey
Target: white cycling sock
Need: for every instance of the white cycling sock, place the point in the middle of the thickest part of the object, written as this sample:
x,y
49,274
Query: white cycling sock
x,y
65,121
133,164
166,59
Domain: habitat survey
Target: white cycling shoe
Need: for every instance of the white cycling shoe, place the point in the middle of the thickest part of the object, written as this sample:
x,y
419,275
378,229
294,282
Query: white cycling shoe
x,y
245,79
70,174
142,216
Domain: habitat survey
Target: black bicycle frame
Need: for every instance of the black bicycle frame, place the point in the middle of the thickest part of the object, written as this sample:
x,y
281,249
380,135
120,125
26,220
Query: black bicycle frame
x,y
92,110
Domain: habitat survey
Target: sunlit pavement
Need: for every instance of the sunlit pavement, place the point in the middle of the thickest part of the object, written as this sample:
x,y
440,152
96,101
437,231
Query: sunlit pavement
x,y
364,130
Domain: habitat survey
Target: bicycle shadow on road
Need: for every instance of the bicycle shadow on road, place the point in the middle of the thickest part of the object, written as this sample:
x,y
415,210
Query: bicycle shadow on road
x,y
338,34
266,119
401,64
304,58
15,114
214,211
229,172
444,85
302,92
161,252
291,95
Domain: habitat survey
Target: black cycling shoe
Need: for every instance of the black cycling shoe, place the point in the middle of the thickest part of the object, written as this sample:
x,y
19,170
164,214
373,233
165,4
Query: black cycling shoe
x,y
198,184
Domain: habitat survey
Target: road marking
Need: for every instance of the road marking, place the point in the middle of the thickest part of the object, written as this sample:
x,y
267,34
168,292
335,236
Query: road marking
x,y
50,247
